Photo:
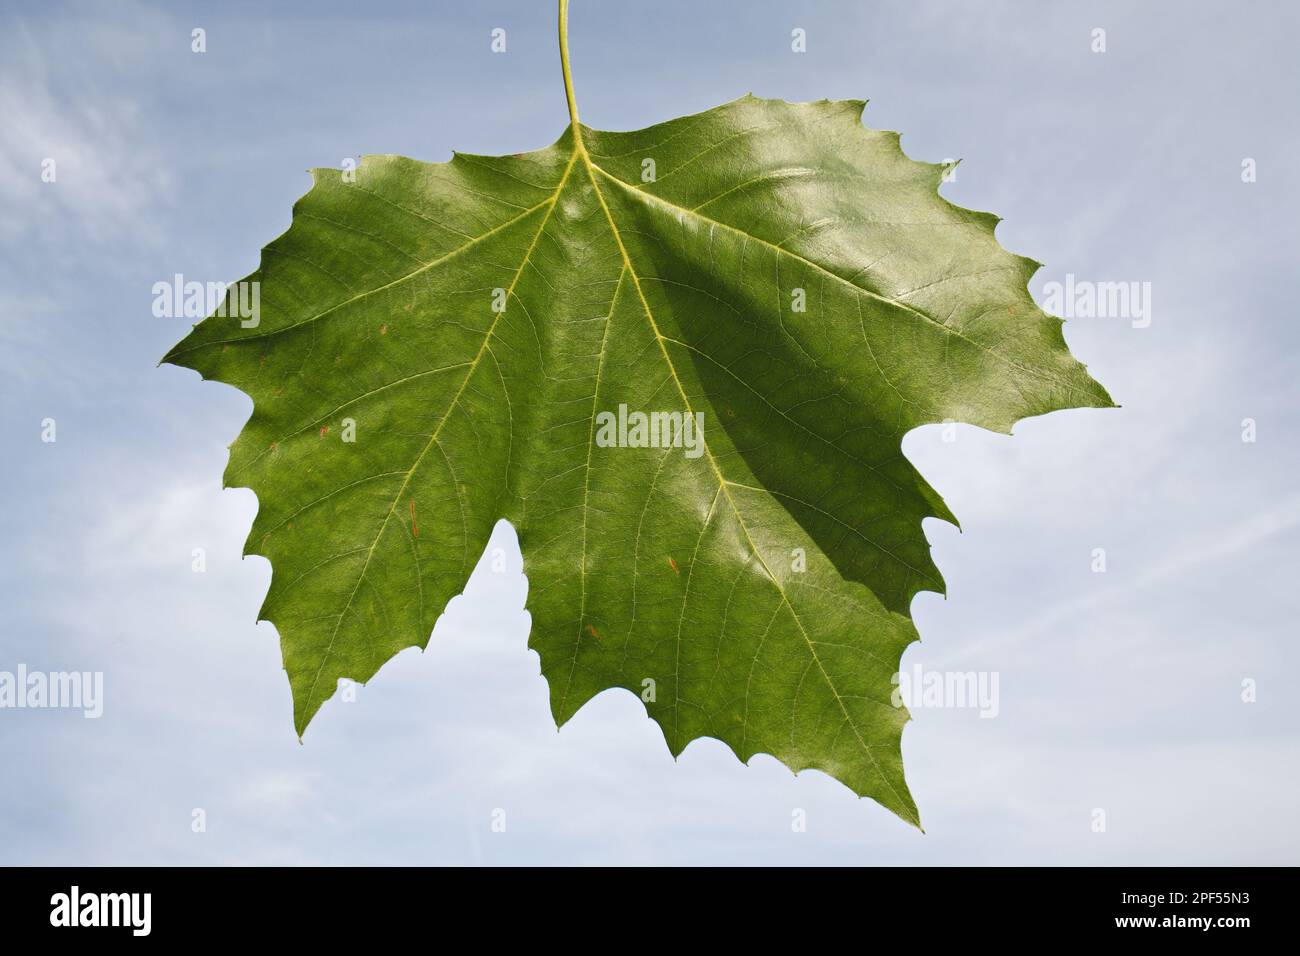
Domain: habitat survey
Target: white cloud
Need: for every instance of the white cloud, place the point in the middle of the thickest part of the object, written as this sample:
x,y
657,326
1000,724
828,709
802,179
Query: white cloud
x,y
109,179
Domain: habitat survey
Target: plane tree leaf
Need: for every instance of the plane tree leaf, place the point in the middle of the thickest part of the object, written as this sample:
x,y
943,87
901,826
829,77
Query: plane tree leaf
x,y
441,346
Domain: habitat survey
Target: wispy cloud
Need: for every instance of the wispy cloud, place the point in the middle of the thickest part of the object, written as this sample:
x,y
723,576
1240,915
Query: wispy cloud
x,y
77,160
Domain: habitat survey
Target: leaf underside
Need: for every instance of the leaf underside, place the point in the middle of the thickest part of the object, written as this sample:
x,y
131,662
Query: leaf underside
x,y
377,305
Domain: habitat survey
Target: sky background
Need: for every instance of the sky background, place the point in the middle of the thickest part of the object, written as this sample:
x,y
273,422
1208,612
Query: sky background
x,y
1120,691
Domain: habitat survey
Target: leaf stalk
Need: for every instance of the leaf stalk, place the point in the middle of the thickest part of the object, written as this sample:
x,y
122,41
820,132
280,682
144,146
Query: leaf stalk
x,y
568,75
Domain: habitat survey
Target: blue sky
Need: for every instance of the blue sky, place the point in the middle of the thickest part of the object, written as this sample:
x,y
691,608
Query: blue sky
x,y
1119,691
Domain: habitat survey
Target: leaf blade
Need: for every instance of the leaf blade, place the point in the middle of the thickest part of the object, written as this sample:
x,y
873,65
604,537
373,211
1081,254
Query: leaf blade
x,y
644,564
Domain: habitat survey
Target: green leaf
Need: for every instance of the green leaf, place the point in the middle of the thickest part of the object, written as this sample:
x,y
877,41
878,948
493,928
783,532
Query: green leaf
x,y
757,593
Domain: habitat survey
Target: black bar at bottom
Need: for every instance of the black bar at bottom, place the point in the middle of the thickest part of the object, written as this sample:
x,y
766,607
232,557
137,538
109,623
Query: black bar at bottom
x,y
211,905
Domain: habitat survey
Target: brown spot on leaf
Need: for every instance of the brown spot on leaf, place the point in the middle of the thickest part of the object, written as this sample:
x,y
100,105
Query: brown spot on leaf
x,y
415,531
591,629
673,564
323,430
